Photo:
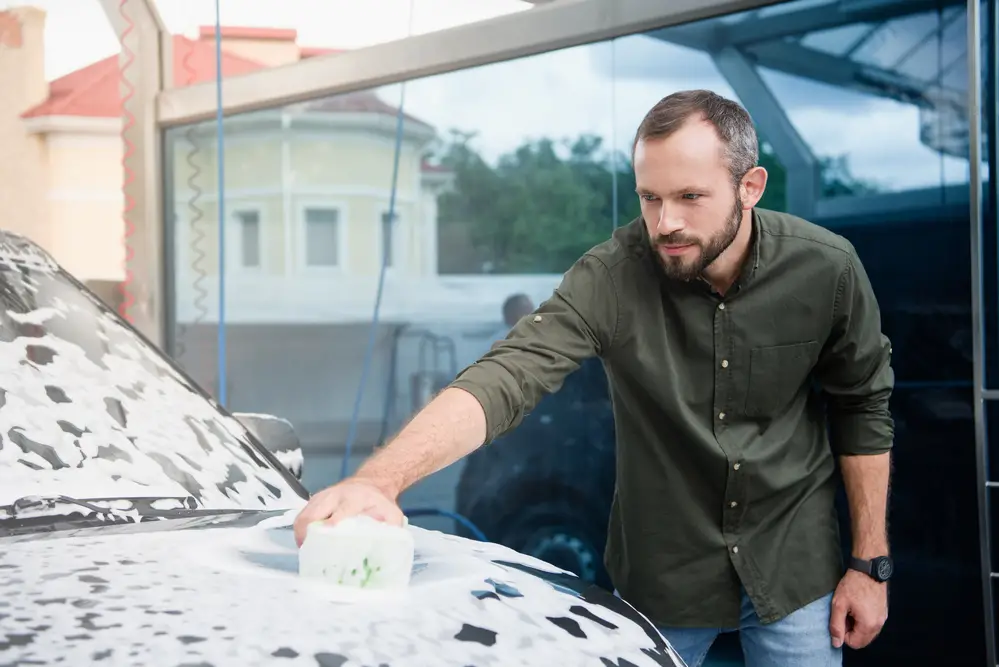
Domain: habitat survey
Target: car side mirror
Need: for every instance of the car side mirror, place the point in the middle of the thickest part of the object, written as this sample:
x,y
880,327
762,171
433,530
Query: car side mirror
x,y
278,436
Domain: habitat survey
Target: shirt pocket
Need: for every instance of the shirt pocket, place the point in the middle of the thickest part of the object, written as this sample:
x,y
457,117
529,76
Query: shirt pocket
x,y
776,374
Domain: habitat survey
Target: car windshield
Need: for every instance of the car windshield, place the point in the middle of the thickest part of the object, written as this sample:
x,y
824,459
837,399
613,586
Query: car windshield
x,y
89,409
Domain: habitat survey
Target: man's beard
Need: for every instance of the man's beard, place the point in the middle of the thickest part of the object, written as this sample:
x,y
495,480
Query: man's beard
x,y
678,268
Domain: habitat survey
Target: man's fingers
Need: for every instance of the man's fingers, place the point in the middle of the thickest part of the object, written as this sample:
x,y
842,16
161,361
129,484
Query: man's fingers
x,y
342,501
862,634
859,638
837,621
388,513
318,509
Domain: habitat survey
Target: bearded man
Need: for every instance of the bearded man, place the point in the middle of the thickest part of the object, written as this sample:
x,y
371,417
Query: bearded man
x,y
746,359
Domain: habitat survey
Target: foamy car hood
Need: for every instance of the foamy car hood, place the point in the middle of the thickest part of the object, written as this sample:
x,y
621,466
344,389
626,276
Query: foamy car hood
x,y
224,590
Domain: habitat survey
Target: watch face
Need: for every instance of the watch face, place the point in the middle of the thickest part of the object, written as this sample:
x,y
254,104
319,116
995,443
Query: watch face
x,y
884,569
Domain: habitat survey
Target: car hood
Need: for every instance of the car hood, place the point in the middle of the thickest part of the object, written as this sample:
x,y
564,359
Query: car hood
x,y
225,590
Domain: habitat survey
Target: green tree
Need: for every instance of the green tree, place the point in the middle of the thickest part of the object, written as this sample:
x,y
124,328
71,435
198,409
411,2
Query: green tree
x,y
546,202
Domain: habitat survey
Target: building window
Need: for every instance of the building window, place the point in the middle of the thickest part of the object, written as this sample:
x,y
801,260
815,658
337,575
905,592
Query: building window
x,y
388,237
248,238
322,236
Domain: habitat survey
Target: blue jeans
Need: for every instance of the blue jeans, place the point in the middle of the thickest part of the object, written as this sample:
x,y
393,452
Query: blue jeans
x,y
800,639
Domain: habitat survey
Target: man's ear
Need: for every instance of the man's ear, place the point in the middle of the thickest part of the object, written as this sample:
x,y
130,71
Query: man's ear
x,y
752,187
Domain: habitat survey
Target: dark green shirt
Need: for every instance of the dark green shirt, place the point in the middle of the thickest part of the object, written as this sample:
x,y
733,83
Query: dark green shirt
x,y
725,450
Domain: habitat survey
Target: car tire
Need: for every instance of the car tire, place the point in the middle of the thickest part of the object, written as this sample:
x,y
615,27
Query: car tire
x,y
563,541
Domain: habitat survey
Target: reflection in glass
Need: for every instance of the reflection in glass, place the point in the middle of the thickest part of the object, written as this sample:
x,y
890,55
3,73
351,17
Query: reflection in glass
x,y
862,117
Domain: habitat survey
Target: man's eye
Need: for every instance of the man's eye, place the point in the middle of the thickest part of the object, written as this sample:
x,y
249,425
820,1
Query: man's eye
x,y
691,195
649,197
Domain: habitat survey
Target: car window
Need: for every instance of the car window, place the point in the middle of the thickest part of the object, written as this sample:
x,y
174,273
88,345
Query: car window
x,y
89,409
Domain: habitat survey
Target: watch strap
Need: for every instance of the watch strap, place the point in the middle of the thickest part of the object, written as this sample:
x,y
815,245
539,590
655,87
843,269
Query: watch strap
x,y
865,566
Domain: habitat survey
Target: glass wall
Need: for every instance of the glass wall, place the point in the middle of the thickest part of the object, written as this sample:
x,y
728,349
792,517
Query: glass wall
x,y
989,295
507,173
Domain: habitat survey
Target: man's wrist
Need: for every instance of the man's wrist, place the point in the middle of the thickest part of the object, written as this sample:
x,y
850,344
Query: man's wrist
x,y
389,488
869,551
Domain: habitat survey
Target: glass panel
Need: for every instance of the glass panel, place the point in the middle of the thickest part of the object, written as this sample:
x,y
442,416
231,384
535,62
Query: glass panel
x,y
322,229
989,59
897,38
841,41
990,217
499,195
258,35
908,76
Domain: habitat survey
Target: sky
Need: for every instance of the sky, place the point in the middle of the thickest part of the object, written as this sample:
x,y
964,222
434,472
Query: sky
x,y
601,88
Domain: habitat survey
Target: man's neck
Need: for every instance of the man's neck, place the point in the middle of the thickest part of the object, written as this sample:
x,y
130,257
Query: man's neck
x,y
725,270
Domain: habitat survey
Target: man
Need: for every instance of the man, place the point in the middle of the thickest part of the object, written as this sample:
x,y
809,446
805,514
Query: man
x,y
515,307
745,356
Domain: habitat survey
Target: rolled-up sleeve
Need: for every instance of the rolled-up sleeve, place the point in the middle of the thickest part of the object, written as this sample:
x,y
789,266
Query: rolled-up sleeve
x,y
579,321
854,369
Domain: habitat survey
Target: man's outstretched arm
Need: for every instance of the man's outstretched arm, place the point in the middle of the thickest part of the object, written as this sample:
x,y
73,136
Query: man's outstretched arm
x,y
487,399
449,428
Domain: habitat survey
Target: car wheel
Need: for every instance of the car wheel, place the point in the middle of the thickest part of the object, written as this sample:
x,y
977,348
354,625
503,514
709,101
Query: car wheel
x,y
568,548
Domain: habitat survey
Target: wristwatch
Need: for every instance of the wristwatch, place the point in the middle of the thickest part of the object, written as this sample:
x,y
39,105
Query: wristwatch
x,y
879,568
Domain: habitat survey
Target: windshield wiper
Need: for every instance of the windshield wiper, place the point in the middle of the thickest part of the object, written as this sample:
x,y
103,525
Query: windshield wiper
x,y
39,513
109,509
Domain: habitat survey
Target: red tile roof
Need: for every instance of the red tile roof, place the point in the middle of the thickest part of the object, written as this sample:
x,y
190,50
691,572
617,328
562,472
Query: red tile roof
x,y
94,90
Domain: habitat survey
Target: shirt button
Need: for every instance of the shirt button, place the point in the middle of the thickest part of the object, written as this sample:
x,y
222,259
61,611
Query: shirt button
x,y
724,363
737,466
735,550
733,504
721,306
721,415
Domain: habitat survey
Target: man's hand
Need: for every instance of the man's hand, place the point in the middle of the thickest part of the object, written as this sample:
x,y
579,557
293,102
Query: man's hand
x,y
350,497
859,610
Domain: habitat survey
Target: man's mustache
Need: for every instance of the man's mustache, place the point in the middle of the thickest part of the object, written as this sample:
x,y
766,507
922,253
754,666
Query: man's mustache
x,y
673,239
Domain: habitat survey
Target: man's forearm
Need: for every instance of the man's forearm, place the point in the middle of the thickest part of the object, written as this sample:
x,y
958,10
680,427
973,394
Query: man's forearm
x,y
866,478
450,427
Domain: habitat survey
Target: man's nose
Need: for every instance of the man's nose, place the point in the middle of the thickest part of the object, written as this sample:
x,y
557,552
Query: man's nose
x,y
669,223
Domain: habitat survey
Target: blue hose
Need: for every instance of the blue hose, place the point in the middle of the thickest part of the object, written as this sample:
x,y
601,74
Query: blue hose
x,y
433,511
373,334
220,127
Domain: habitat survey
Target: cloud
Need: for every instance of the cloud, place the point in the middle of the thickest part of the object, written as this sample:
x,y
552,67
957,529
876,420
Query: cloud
x,y
570,92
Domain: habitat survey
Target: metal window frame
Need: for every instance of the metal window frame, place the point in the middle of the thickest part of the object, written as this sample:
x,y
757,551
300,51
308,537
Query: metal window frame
x,y
544,28
981,392
149,66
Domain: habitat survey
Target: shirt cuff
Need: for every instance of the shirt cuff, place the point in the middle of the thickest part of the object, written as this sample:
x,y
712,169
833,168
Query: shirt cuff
x,y
861,434
493,393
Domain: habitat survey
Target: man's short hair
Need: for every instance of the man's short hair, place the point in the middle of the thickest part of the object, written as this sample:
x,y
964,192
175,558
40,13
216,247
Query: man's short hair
x,y
731,121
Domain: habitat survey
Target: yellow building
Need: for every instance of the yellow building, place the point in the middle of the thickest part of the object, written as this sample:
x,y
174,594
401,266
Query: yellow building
x,y
307,190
